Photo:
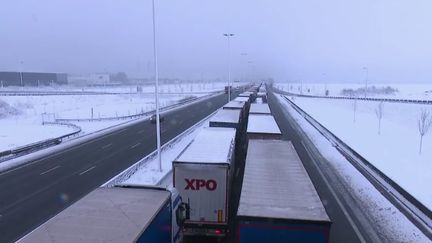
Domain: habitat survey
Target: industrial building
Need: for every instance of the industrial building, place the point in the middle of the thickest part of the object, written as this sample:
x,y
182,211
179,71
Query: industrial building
x,y
32,78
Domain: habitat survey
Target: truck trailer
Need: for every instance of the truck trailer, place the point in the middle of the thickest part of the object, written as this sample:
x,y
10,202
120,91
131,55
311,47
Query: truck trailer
x,y
262,126
259,109
202,174
278,202
117,214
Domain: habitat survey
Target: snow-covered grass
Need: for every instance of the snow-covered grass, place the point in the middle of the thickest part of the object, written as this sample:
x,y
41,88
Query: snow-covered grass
x,y
180,87
391,223
395,151
405,91
21,116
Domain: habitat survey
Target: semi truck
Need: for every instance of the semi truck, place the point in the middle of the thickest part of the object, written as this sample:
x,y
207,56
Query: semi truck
x,y
262,126
278,202
202,174
259,109
117,214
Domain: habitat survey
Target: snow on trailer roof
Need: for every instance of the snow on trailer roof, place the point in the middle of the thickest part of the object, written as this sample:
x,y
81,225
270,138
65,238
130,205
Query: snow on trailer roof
x,y
261,94
276,185
211,145
242,99
226,116
246,94
262,123
234,105
259,109
104,215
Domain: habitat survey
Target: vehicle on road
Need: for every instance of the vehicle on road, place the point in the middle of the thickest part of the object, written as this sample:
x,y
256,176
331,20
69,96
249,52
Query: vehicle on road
x,y
278,202
153,119
202,174
117,214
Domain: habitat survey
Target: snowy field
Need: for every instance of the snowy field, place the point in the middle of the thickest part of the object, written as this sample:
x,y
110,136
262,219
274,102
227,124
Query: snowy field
x,y
21,116
180,87
395,151
404,91
390,222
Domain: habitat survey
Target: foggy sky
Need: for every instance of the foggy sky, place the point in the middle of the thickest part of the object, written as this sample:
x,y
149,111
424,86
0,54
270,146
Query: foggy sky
x,y
308,40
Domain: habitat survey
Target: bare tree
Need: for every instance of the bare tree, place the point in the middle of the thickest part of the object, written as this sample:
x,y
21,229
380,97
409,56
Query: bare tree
x,y
354,106
424,122
379,114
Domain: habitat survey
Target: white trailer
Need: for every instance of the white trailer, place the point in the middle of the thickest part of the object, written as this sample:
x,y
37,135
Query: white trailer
x,y
202,174
226,118
259,109
262,127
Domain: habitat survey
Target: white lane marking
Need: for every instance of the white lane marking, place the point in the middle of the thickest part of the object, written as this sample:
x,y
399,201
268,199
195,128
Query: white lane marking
x,y
107,146
89,169
141,131
345,212
55,167
136,145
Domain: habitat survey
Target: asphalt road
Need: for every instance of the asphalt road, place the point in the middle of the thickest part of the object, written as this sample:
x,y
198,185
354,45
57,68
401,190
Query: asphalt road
x,y
31,194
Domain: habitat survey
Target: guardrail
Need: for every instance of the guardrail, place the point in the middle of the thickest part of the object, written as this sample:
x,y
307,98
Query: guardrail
x,y
414,210
41,144
410,101
147,113
66,122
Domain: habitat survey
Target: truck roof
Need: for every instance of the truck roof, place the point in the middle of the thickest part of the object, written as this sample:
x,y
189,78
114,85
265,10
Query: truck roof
x,y
259,109
234,105
276,185
104,215
262,123
213,145
242,99
226,116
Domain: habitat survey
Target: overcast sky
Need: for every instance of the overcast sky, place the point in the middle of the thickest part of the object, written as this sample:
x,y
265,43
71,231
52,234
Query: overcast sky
x,y
309,40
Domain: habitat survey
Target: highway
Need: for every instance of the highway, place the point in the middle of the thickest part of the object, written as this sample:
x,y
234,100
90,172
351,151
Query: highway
x,y
33,193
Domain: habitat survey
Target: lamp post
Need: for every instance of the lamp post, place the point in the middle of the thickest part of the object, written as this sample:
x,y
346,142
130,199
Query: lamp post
x,y
228,36
366,80
158,139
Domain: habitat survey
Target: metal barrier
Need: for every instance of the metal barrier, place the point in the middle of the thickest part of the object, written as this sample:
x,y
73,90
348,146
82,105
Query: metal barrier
x,y
66,122
409,101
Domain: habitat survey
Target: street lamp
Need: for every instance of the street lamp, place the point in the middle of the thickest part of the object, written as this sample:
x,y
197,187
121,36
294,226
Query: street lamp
x,y
158,139
228,36
366,80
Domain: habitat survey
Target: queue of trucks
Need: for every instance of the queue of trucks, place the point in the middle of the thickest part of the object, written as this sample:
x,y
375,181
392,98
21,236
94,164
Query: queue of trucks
x,y
277,202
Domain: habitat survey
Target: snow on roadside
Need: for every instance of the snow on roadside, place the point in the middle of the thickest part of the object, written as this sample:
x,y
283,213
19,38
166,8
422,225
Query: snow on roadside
x,y
395,151
405,91
393,225
21,116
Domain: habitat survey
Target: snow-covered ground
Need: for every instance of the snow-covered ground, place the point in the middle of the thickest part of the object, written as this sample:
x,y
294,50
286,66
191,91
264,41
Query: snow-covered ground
x,y
390,222
395,151
404,91
21,116
180,87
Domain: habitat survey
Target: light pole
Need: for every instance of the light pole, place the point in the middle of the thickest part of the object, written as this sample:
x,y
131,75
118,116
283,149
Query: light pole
x,y
228,36
158,139
366,80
